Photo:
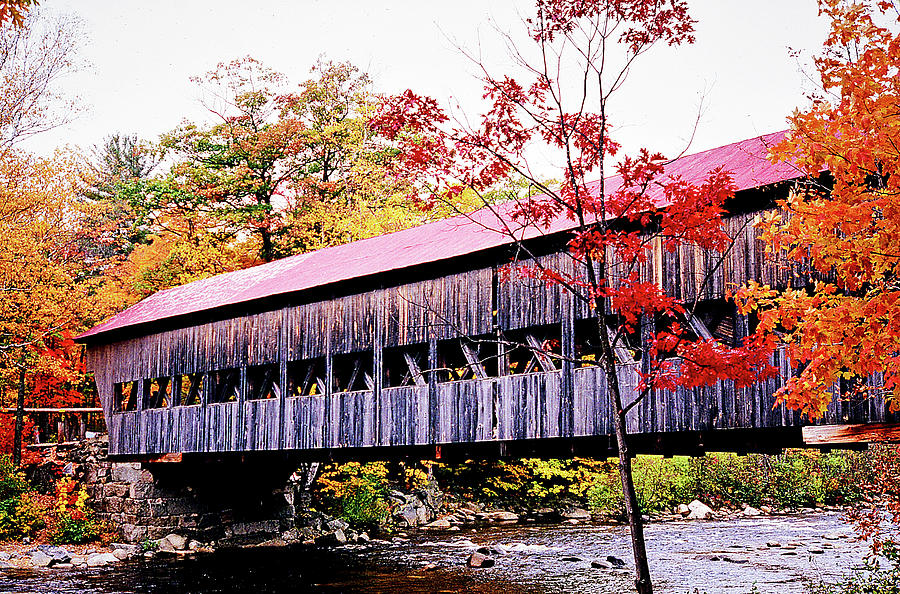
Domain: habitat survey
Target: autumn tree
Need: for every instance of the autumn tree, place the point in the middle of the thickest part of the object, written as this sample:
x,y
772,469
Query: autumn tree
x,y
287,167
344,192
14,11
42,299
844,226
582,53
34,57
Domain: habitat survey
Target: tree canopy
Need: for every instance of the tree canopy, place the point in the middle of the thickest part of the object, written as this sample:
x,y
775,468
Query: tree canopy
x,y
843,224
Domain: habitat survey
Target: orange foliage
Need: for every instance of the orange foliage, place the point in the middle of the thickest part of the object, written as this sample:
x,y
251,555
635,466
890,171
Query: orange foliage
x,y
847,327
45,294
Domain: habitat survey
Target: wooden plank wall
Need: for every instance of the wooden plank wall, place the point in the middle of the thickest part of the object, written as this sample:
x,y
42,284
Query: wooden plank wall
x,y
480,302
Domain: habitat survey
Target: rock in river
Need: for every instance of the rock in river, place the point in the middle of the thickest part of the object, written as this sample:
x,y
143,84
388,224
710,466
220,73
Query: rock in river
x,y
615,561
336,538
439,524
576,513
40,559
477,559
500,517
699,510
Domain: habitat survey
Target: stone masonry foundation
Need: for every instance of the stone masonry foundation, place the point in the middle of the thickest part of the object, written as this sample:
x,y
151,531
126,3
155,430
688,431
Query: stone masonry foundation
x,y
205,500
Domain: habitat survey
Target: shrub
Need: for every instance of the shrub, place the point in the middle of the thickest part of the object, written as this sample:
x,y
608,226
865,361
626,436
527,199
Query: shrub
x,y
355,492
661,483
21,511
795,478
23,515
12,482
73,522
528,482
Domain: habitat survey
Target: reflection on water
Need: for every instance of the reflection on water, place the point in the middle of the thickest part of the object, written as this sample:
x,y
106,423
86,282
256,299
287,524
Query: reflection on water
x,y
729,556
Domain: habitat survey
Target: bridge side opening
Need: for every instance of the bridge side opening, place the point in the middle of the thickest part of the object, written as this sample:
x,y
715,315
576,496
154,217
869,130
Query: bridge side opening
x,y
306,377
190,389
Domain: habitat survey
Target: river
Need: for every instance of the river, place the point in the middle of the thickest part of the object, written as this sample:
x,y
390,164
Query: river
x,y
728,556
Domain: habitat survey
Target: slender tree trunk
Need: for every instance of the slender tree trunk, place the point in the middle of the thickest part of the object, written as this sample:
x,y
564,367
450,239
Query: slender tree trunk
x,y
642,580
632,508
20,417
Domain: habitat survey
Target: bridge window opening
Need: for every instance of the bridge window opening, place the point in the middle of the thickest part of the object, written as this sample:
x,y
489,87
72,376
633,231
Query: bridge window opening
x,y
125,395
353,372
189,388
718,317
306,377
406,366
263,382
158,392
224,385
588,350
533,350
466,358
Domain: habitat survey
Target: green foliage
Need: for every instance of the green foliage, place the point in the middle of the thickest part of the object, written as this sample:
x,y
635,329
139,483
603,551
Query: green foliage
x,y
660,483
21,516
21,513
528,482
148,545
355,492
794,479
12,483
74,529
797,478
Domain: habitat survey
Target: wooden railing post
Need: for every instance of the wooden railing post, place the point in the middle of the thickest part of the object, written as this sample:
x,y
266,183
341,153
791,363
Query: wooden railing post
x,y
282,377
378,365
567,381
328,419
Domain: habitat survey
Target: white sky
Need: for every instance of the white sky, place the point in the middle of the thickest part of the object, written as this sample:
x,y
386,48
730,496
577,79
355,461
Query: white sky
x,y
143,53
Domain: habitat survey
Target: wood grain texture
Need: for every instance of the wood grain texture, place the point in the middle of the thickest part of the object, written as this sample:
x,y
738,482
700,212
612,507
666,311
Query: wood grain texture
x,y
561,400
838,434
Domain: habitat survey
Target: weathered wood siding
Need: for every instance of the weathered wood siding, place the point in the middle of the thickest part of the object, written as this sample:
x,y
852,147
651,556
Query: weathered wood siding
x,y
480,303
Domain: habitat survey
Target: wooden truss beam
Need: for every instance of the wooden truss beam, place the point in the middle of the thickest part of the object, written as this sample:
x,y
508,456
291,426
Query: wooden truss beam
x,y
543,359
414,370
699,327
472,359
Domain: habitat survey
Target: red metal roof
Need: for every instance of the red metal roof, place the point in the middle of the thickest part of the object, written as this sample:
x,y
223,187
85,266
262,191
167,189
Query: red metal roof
x,y
426,244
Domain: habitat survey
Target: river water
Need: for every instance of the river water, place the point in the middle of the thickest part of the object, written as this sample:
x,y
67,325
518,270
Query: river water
x,y
686,557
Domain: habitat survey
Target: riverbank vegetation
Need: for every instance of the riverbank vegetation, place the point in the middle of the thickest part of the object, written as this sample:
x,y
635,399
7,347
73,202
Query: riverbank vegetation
x,y
359,493
796,478
62,518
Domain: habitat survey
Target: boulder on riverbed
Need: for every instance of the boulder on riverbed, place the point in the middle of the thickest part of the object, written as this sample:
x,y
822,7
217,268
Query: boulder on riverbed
x,y
41,559
332,539
101,559
615,561
479,560
129,550
576,513
439,524
699,511
498,517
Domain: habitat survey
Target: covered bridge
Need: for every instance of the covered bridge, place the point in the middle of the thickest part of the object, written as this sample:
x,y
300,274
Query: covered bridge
x,y
413,340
